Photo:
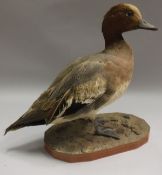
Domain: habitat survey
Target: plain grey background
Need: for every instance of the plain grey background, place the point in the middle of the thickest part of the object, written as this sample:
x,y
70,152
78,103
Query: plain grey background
x,y
37,40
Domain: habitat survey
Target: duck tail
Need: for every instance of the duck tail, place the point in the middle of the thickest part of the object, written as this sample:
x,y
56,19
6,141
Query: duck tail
x,y
31,118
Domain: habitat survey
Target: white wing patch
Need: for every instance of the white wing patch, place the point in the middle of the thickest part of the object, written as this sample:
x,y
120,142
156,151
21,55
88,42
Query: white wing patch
x,y
65,106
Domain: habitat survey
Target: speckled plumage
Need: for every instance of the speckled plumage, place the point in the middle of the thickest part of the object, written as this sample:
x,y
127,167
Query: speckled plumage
x,y
92,81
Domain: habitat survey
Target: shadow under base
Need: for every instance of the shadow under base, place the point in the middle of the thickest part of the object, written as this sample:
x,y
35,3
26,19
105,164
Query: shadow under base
x,y
77,141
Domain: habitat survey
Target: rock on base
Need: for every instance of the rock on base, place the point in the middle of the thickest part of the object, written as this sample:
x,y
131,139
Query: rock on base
x,y
76,141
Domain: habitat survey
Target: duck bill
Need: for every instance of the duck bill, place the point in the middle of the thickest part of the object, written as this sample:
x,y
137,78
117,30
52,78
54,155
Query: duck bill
x,y
147,26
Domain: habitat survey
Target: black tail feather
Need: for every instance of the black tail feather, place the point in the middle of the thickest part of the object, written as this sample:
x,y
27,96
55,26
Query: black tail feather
x,y
28,119
16,126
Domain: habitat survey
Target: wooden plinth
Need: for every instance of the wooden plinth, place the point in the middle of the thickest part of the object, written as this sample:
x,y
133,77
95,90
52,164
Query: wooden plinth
x,y
76,141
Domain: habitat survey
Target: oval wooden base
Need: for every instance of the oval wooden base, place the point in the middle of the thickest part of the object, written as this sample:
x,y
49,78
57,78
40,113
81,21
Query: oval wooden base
x,y
76,141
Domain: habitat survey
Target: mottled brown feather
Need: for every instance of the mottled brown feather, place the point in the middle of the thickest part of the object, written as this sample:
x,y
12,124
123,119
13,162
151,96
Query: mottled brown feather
x,y
89,82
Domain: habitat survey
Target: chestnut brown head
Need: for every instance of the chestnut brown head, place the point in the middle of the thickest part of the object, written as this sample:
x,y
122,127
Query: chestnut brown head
x,y
122,18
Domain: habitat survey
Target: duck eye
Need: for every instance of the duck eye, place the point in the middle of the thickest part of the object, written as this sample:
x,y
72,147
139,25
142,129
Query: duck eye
x,y
129,13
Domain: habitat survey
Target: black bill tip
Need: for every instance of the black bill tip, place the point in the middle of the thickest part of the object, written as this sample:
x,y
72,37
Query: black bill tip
x,y
147,26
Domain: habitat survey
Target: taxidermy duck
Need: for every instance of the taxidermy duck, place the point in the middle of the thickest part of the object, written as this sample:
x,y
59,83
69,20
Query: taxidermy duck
x,y
91,82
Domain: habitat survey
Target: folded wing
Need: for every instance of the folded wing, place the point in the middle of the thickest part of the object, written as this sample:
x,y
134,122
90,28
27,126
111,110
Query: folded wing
x,y
72,92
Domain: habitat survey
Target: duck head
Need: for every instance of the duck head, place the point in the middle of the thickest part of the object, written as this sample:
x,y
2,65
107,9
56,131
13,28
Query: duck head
x,y
122,18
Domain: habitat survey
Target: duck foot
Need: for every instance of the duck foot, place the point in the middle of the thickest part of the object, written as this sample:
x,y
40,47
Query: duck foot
x,y
103,130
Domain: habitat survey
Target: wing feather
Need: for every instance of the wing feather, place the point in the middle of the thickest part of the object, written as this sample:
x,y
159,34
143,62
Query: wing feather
x,y
79,87
79,97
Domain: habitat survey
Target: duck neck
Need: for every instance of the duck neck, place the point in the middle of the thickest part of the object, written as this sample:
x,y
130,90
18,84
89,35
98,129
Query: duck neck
x,y
111,39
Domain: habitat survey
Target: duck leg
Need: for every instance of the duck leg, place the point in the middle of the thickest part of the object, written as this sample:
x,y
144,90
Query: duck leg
x,y
103,130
